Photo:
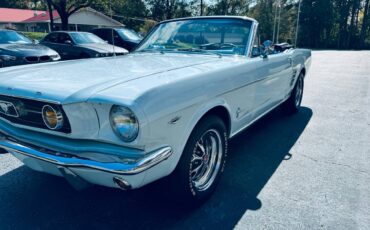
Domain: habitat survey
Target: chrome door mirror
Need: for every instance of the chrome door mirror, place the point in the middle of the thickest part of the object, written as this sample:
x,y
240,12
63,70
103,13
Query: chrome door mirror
x,y
266,48
256,51
265,53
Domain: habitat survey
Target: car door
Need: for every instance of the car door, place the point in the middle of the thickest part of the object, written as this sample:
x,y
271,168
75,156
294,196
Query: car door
x,y
67,47
273,73
51,41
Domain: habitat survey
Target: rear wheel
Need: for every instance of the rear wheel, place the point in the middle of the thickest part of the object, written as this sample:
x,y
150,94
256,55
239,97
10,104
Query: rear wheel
x,y
293,103
202,162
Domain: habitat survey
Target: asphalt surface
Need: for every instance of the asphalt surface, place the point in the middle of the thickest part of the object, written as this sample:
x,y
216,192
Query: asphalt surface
x,y
306,171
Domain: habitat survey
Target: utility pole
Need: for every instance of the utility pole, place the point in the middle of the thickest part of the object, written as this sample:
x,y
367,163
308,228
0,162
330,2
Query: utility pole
x,y
111,16
201,7
278,24
297,27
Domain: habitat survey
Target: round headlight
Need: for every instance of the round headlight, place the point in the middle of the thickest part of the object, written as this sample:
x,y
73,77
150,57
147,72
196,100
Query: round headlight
x,y
53,118
124,123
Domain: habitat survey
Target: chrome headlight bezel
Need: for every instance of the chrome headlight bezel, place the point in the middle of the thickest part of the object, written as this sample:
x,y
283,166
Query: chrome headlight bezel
x,y
124,123
58,117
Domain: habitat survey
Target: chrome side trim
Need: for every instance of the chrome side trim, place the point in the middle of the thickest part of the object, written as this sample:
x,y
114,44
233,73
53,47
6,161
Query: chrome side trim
x,y
148,161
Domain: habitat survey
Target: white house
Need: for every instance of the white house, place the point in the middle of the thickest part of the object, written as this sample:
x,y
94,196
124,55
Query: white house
x,y
39,21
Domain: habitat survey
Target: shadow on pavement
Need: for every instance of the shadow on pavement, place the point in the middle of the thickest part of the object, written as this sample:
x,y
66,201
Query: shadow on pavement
x,y
32,200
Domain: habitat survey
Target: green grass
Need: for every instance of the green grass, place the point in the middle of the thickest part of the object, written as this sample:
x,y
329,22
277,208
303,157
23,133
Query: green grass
x,y
34,35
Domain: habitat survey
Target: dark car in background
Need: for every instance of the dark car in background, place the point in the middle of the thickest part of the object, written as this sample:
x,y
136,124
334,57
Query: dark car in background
x,y
76,45
17,49
123,37
281,47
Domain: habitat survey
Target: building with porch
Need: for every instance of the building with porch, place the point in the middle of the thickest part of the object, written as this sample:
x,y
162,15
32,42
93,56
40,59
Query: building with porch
x,y
39,21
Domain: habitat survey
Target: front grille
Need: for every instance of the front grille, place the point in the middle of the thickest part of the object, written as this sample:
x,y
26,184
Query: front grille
x,y
44,58
30,113
32,59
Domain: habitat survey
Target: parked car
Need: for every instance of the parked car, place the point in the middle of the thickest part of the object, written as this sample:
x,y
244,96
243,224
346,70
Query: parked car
x,y
169,108
17,49
281,47
123,37
75,45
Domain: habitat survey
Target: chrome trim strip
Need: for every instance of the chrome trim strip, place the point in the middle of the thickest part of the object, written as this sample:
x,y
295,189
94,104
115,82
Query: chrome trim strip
x,y
139,166
31,98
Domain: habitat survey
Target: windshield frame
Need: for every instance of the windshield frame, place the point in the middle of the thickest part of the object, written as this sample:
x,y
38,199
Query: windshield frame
x,y
246,52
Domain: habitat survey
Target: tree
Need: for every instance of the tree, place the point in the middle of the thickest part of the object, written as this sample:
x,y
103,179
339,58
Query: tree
x,y
230,7
66,8
51,16
365,23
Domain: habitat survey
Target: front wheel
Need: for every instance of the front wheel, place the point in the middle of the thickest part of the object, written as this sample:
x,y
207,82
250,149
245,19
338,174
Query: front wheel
x,y
293,103
202,162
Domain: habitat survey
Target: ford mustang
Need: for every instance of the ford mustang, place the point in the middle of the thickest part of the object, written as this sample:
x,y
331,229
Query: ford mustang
x,y
166,110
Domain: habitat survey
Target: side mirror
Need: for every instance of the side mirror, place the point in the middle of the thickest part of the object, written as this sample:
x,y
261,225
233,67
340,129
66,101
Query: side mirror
x,y
265,53
35,41
256,51
68,42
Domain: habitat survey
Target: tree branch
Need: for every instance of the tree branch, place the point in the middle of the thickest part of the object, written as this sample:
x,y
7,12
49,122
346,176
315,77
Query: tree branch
x,y
73,9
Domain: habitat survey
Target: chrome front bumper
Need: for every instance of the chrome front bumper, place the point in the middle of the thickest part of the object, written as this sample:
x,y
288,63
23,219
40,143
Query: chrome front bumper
x,y
76,165
140,165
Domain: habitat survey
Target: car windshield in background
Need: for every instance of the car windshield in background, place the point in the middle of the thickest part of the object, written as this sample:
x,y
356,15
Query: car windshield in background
x,y
12,37
85,38
129,34
219,36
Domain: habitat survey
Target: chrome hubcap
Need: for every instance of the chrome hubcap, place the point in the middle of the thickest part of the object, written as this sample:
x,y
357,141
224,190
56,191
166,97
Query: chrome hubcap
x,y
299,92
206,160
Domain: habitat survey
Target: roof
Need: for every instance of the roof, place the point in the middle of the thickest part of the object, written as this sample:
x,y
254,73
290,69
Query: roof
x,y
17,15
43,17
29,16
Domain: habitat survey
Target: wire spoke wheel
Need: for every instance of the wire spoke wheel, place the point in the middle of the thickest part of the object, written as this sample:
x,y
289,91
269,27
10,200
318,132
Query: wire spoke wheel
x,y
206,160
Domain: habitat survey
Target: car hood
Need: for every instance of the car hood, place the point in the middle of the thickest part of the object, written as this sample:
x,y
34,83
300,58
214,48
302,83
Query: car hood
x,y
76,81
104,48
25,50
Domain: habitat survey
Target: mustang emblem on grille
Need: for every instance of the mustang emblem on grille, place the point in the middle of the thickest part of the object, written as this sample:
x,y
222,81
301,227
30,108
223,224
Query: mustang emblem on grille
x,y
8,109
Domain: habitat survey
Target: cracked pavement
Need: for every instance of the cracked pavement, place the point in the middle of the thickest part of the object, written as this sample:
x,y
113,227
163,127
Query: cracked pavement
x,y
306,171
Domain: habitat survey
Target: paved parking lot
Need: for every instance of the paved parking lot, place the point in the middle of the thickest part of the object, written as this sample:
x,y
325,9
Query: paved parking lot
x,y
307,171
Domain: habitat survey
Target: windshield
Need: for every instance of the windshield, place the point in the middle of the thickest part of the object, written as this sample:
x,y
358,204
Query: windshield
x,y
12,37
220,36
84,38
129,34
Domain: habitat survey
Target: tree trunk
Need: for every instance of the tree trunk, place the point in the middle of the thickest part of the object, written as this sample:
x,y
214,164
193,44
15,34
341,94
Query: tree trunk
x,y
48,3
352,27
364,25
64,19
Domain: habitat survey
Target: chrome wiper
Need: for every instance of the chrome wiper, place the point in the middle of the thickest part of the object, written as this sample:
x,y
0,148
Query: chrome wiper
x,y
199,51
